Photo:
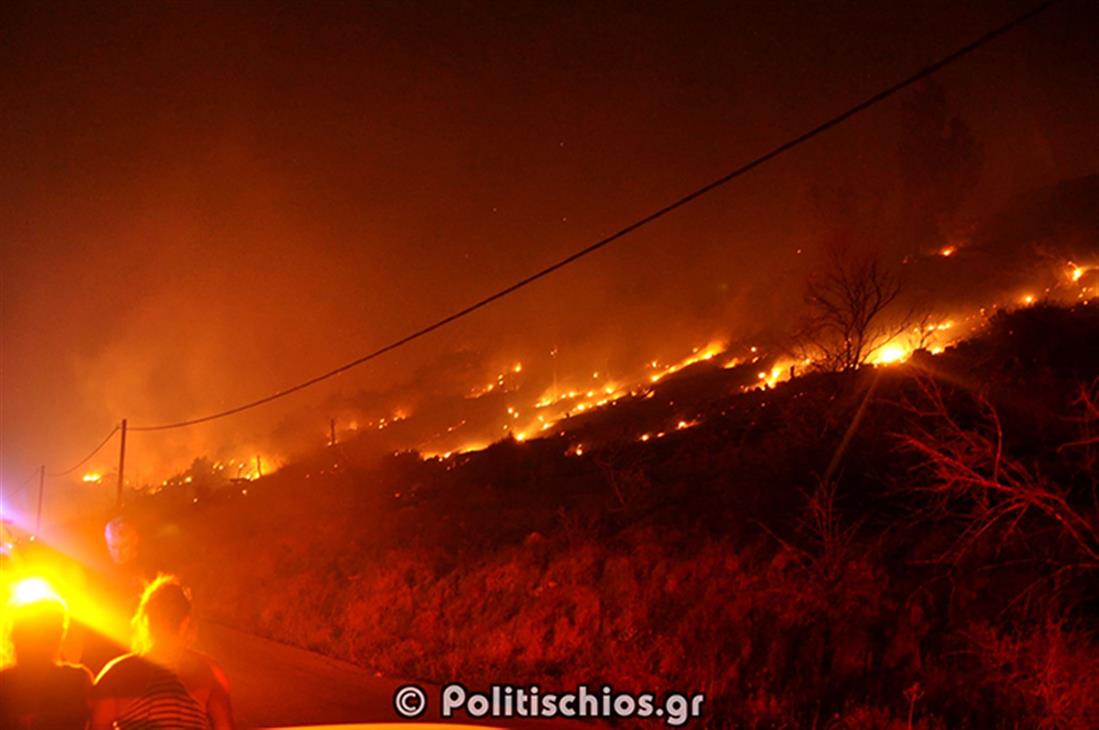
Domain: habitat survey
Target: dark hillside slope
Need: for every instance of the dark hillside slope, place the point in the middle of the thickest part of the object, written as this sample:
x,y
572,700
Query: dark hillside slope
x,y
947,570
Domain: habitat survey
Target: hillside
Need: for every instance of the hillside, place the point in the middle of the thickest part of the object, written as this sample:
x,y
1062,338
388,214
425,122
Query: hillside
x,y
943,577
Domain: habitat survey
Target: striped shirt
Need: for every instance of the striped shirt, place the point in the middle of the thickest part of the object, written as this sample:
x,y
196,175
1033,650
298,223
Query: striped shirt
x,y
164,703
150,696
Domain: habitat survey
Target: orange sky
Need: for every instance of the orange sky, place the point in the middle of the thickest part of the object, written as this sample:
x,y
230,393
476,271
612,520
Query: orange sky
x,y
205,203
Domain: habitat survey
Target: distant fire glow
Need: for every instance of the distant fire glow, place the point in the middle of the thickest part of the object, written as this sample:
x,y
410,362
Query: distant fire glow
x,y
577,395
890,354
587,390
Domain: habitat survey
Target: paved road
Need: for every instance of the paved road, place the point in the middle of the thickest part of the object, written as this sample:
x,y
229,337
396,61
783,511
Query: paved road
x,y
275,685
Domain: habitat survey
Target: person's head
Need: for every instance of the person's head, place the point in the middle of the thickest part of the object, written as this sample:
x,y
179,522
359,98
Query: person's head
x,y
163,618
122,540
39,621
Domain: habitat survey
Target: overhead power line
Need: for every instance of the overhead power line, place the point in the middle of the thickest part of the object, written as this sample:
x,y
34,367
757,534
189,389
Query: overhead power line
x,y
632,227
10,493
86,459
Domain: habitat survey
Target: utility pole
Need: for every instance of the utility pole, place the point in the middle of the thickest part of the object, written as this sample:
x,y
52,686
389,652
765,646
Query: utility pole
x,y
259,466
332,432
121,465
41,491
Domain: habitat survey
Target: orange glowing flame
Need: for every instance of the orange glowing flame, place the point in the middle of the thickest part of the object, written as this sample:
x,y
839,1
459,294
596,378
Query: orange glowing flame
x,y
891,353
1076,272
524,420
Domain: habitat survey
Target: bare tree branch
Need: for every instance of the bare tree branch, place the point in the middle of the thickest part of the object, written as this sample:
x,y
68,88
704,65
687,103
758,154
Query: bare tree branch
x,y
966,472
846,303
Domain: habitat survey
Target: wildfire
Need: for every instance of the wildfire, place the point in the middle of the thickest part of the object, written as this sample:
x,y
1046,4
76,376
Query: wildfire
x,y
92,477
590,389
698,354
1077,272
891,353
783,370
501,382
948,251
752,356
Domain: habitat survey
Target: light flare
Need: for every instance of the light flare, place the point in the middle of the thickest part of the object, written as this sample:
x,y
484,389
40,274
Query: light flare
x,y
32,590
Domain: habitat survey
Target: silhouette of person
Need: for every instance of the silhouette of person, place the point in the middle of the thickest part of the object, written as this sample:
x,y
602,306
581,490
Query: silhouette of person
x,y
39,691
115,588
163,683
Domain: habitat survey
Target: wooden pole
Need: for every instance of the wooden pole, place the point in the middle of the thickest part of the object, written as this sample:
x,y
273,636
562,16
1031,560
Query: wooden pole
x,y
332,432
41,492
121,465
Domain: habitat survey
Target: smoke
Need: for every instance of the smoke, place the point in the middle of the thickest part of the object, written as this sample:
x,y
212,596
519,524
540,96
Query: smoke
x,y
207,205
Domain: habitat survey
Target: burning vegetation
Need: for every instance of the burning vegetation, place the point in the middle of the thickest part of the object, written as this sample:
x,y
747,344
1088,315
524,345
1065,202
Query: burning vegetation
x,y
855,315
827,452
883,517
941,576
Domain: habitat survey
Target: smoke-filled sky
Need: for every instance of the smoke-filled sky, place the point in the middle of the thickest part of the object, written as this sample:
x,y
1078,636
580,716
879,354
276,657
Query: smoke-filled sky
x,y
206,202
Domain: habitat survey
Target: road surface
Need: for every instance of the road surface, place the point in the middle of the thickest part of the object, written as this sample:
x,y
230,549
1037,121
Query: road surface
x,y
274,685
